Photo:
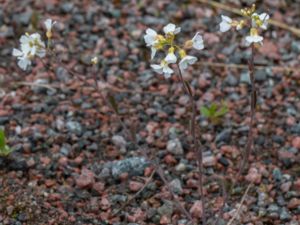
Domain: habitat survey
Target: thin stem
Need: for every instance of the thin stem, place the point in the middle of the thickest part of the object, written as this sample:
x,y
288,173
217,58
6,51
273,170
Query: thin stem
x,y
252,112
197,149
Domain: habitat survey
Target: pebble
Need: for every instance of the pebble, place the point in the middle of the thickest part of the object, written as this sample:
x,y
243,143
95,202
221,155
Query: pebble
x,y
175,147
224,136
86,179
245,77
284,214
62,74
135,186
277,175
119,142
296,142
196,210
166,209
209,161
260,75
180,167
231,80
74,127
133,166
176,186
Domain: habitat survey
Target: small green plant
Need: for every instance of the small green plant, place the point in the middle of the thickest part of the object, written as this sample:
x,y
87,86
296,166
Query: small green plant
x,y
214,112
4,149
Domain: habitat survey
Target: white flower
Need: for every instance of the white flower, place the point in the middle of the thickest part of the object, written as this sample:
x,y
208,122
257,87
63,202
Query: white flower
x,y
33,45
49,24
171,29
150,37
198,41
261,20
254,37
24,59
163,68
185,61
225,24
171,58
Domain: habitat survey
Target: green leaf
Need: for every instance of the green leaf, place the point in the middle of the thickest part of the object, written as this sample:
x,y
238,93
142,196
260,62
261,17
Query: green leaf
x,y
2,139
113,103
5,151
222,111
205,111
213,108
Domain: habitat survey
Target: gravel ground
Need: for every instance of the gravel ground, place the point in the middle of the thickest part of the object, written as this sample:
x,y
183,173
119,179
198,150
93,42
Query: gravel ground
x,y
75,164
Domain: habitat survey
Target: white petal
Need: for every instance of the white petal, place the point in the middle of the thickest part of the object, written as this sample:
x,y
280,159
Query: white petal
x,y
254,39
153,52
49,24
187,60
198,41
150,37
170,28
157,68
17,52
226,19
171,58
23,63
265,18
224,26
24,39
167,71
151,32
183,64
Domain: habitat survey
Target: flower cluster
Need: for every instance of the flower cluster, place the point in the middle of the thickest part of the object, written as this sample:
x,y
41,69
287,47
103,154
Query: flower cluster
x,y
254,21
166,43
31,45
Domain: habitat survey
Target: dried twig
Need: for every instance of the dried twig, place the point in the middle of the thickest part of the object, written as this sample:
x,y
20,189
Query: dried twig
x,y
240,205
136,194
50,87
243,66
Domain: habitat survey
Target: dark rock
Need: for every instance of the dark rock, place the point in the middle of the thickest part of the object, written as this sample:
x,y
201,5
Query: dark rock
x,y
278,139
62,74
224,136
277,175
260,75
231,80
223,161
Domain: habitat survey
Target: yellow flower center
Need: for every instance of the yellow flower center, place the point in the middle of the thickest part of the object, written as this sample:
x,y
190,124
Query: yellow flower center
x,y
253,32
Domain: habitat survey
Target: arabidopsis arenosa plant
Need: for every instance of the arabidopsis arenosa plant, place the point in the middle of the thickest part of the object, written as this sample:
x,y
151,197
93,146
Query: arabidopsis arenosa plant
x,y
173,51
256,21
